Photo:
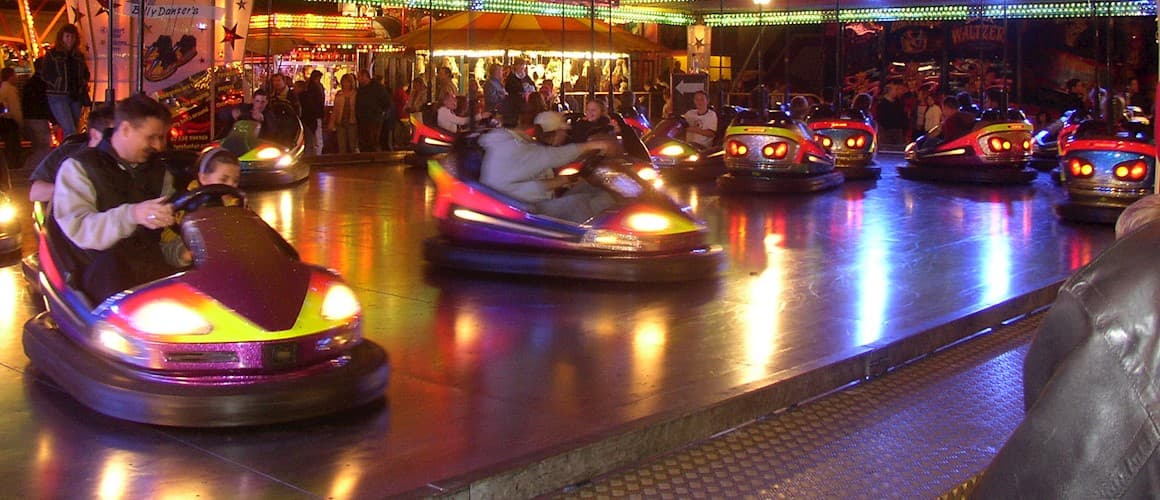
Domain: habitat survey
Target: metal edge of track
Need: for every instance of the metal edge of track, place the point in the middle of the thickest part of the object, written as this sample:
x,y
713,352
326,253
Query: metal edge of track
x,y
552,469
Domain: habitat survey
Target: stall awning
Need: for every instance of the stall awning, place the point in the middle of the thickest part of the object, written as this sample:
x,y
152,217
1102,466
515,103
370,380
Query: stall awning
x,y
489,31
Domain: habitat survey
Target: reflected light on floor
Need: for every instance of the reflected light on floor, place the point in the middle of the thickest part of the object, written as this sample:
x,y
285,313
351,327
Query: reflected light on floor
x,y
873,282
114,478
648,350
466,331
346,482
996,257
9,293
280,214
764,316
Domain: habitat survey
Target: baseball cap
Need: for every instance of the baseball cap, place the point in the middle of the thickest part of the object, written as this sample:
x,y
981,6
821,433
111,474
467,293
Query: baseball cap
x,y
550,121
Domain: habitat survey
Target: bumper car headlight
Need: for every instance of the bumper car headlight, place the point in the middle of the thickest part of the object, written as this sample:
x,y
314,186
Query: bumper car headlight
x,y
268,153
672,150
284,161
693,158
340,303
166,317
647,222
7,213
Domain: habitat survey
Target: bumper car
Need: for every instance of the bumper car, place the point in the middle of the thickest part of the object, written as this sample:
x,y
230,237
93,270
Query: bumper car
x,y
638,122
676,159
1045,143
775,154
427,139
1106,170
996,151
644,237
271,153
9,225
248,335
850,136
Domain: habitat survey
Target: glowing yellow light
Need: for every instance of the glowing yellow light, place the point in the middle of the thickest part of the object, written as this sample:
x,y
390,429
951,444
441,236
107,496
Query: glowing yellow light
x,y
340,303
646,222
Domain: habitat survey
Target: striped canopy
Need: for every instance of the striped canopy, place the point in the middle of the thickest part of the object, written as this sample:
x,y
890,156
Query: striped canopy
x,y
490,31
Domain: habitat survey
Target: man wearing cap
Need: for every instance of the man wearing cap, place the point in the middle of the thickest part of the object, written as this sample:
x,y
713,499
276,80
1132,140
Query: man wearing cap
x,y
519,167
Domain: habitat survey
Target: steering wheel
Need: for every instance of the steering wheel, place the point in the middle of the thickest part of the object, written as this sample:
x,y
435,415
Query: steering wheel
x,y
191,201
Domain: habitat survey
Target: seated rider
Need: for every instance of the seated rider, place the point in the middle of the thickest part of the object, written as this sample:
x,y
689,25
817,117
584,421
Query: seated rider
x,y
109,201
255,110
702,121
446,118
521,168
799,107
215,166
956,122
44,175
595,122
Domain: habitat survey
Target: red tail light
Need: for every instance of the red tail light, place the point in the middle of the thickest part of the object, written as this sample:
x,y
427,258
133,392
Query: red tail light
x,y
776,150
1134,170
736,148
1080,168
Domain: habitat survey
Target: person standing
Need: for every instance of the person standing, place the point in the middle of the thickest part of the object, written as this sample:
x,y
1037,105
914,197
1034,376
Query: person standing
x,y
12,118
66,78
891,117
342,121
34,105
493,91
313,101
518,85
371,104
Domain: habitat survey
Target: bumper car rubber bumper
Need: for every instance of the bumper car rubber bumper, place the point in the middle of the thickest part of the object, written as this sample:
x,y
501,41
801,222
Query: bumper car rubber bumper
x,y
741,183
115,389
265,177
1087,212
30,266
859,171
1017,174
653,267
692,171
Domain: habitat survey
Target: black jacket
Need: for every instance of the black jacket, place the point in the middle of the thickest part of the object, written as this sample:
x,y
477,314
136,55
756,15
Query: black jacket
x,y
1090,386
64,73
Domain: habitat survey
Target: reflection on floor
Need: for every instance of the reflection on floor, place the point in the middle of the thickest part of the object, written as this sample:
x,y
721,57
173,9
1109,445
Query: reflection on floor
x,y
490,372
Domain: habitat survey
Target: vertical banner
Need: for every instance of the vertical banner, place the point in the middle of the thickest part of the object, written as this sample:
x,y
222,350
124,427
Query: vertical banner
x,y
183,43
699,48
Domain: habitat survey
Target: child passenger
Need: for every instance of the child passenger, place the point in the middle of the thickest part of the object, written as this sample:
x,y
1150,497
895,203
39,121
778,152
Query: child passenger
x,y
215,166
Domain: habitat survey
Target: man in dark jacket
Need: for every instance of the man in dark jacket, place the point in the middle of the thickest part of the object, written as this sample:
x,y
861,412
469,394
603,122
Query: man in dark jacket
x,y
1092,429
371,104
313,101
891,117
518,85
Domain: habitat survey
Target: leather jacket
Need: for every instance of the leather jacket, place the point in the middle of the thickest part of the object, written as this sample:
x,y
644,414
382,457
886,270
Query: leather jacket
x,y
1090,386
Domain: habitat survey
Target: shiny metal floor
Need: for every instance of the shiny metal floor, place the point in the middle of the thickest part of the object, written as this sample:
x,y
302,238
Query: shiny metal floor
x,y
917,432
516,387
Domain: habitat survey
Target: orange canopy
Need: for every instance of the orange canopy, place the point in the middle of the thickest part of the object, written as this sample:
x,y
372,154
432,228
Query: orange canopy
x,y
489,31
